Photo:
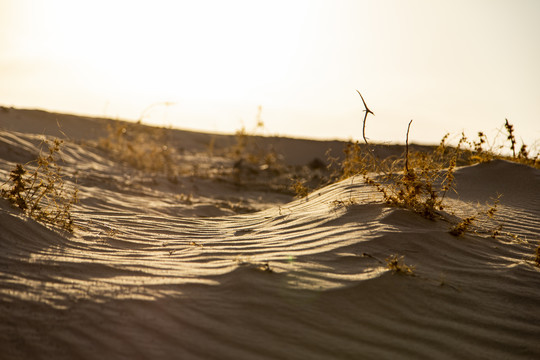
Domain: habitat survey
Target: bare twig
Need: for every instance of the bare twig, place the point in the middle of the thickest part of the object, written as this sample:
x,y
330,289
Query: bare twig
x,y
407,148
367,111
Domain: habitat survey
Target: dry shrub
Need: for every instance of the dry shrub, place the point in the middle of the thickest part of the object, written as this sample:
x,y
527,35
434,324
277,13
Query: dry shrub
x,y
477,151
299,187
424,181
419,181
141,147
398,266
248,152
510,129
39,190
465,224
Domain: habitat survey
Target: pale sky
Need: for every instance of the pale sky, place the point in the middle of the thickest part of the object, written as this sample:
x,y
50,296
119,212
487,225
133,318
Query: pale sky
x,y
451,66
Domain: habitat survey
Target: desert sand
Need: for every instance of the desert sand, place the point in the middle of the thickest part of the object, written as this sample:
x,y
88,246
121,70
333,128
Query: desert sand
x,y
224,263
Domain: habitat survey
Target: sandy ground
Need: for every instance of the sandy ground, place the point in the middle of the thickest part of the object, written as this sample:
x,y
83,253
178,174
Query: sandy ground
x,y
222,262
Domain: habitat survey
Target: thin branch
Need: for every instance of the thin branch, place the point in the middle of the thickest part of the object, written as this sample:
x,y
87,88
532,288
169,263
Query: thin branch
x,y
367,111
407,148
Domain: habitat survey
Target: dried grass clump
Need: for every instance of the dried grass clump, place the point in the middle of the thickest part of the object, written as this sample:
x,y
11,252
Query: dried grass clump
x,y
249,154
39,190
510,129
419,181
141,147
398,266
299,187
465,224
481,151
424,181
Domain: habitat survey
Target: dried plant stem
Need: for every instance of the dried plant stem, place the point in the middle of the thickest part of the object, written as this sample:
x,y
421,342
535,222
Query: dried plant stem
x,y
367,111
42,193
510,129
407,148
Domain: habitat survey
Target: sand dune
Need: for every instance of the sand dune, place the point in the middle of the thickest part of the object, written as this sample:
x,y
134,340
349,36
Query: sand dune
x,y
150,274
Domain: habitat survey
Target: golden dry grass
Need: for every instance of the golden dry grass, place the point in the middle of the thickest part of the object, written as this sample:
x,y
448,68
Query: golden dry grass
x,y
39,190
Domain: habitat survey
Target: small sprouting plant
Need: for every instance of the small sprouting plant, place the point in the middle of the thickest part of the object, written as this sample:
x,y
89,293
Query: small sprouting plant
x,y
42,193
398,266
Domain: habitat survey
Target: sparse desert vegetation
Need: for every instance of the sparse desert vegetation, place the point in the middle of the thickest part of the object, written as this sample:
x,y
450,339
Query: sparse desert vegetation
x,y
164,225
397,264
420,180
39,190
461,227
143,147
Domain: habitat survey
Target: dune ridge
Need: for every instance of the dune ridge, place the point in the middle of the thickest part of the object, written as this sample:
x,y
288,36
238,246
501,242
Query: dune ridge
x,y
147,274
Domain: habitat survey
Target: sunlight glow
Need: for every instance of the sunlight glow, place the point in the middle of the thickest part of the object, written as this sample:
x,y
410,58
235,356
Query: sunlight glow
x,y
452,66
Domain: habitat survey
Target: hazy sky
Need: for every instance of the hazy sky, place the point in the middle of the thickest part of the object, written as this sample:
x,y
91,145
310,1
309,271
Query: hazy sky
x,y
449,65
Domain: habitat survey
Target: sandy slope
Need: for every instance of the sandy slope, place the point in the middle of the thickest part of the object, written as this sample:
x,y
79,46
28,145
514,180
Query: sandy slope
x,y
149,275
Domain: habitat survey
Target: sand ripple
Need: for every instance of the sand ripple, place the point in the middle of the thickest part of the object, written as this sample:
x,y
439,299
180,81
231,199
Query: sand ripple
x,y
303,280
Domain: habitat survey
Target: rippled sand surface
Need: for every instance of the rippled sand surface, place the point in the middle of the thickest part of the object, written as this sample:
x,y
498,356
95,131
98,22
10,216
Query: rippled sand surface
x,y
148,275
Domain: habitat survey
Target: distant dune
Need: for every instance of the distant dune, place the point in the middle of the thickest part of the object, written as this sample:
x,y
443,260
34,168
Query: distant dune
x,y
217,259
